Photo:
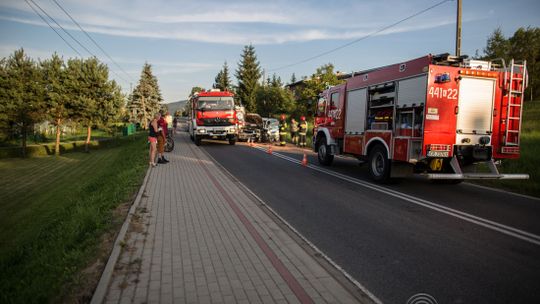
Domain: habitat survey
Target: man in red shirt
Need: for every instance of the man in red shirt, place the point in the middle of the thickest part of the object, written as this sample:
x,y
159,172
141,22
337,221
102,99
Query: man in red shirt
x,y
162,135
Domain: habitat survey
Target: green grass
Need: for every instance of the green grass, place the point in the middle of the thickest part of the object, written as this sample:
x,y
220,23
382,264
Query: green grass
x,y
529,161
54,212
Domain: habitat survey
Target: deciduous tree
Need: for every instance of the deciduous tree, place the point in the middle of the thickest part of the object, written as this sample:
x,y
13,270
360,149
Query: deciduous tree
x,y
97,100
59,102
323,77
23,102
195,90
273,99
523,45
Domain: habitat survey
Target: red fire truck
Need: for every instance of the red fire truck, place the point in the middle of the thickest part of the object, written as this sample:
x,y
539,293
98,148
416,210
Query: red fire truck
x,y
437,116
213,116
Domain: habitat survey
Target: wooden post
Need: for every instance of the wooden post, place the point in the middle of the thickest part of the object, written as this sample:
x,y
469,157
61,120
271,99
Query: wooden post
x,y
458,29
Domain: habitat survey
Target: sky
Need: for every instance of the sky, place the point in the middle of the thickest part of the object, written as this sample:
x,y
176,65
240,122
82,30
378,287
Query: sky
x,y
187,42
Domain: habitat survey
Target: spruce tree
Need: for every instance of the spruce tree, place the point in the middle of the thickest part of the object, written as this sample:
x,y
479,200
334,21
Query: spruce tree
x,y
223,80
293,78
217,80
276,81
146,98
248,75
497,46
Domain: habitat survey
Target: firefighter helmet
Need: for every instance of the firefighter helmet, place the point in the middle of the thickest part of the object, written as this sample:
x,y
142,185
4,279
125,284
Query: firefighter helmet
x,y
302,118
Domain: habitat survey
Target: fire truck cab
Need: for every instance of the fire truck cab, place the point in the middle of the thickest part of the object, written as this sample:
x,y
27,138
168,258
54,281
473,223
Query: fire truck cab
x,y
213,116
435,116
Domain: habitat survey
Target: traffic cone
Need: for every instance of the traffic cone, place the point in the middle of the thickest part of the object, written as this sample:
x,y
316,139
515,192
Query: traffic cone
x,y
269,149
304,160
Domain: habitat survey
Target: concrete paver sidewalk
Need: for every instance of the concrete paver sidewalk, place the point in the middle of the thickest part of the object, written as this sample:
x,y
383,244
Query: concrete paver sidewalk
x,y
197,237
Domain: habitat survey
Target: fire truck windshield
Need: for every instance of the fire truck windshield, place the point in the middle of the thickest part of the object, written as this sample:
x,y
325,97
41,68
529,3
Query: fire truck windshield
x,y
215,103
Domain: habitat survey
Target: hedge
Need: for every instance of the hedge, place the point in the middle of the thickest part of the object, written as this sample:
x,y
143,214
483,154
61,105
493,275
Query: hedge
x,y
76,146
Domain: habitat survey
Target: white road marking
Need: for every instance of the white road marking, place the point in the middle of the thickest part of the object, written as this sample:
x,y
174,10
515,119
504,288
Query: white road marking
x,y
503,191
514,232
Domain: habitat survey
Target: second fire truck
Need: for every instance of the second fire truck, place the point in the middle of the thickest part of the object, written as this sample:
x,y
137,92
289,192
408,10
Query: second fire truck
x,y
437,116
213,115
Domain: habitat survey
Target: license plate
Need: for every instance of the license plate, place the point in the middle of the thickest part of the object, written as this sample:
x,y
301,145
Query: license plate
x,y
438,153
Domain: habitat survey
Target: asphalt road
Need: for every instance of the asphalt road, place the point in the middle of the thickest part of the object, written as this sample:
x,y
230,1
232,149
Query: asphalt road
x,y
396,244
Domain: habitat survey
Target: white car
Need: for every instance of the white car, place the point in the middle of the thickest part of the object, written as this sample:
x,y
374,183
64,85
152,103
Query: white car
x,y
270,130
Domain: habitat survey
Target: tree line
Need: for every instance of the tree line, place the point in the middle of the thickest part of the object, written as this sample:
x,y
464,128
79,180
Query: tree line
x,y
270,96
524,44
59,91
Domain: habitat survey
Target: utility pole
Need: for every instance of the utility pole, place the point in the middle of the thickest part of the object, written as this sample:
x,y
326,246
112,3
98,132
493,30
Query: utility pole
x,y
458,29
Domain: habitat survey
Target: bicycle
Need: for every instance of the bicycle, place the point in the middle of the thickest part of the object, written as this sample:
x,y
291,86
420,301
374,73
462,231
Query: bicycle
x,y
169,143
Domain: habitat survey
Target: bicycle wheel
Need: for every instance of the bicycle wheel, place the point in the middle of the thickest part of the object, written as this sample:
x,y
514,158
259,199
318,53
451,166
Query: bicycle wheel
x,y
169,145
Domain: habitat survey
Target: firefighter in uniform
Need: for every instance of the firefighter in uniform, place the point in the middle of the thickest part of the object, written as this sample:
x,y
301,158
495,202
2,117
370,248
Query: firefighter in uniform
x,y
282,130
294,132
303,126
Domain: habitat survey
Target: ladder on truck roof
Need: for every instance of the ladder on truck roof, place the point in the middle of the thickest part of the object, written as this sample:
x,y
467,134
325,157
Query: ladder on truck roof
x,y
516,79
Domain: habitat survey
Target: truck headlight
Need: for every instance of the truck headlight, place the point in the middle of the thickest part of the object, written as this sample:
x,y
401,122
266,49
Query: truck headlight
x,y
201,131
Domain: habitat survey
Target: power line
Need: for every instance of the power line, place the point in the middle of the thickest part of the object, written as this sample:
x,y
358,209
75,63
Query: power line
x,y
361,38
57,33
92,39
63,29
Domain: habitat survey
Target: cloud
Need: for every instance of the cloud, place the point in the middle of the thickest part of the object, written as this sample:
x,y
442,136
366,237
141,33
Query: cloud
x,y
7,50
182,68
238,23
225,17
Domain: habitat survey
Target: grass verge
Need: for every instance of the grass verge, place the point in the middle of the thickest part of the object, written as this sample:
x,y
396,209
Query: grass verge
x,y
55,211
529,161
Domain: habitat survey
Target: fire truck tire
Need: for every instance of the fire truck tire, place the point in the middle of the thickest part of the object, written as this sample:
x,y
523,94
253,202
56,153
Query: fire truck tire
x,y
232,141
197,140
379,164
325,158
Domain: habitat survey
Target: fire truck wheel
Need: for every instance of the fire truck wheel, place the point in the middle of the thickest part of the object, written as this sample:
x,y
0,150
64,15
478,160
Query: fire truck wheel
x,y
325,158
197,140
379,164
232,141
